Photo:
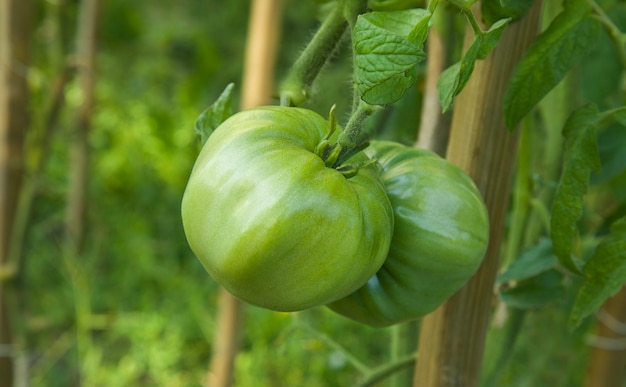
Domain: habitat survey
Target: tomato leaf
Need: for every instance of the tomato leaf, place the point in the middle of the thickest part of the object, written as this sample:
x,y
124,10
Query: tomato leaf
x,y
454,78
605,273
531,262
570,36
388,46
535,292
580,157
215,114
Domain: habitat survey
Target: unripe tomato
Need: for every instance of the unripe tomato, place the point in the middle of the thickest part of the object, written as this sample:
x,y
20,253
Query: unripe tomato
x,y
440,236
275,226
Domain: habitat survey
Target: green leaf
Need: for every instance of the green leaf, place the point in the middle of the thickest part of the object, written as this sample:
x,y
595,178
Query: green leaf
x,y
447,85
215,114
612,149
494,10
605,273
535,292
388,47
580,157
570,36
490,39
453,79
531,262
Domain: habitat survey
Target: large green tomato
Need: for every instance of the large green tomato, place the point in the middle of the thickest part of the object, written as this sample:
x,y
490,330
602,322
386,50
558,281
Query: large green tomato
x,y
440,235
272,224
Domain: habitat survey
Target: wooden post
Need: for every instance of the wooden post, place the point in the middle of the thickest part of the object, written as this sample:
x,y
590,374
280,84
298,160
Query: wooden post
x,y
257,89
86,48
607,364
433,130
14,59
453,337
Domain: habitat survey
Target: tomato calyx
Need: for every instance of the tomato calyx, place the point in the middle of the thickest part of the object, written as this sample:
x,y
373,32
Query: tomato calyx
x,y
335,155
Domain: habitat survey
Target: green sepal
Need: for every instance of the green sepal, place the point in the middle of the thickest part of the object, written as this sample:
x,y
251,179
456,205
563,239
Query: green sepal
x,y
214,115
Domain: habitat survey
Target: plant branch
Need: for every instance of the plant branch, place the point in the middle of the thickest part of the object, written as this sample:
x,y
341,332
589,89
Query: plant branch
x,y
514,327
295,89
384,371
618,37
472,21
358,364
353,138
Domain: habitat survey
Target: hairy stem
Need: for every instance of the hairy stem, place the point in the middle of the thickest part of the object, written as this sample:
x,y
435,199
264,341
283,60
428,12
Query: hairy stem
x,y
295,89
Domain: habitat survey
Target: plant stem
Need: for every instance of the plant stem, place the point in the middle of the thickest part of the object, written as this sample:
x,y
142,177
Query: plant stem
x,y
514,327
388,369
352,10
521,195
472,21
403,343
294,90
352,135
356,363
353,139
618,37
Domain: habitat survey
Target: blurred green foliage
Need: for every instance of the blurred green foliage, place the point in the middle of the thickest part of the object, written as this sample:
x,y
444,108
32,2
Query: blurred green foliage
x,y
137,308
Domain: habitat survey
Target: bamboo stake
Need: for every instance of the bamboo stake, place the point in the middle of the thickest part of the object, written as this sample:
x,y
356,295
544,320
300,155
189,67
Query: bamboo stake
x,y
15,16
79,152
257,89
452,338
608,357
433,130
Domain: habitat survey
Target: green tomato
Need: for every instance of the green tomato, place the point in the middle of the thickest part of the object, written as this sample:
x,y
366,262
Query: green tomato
x,y
441,230
272,224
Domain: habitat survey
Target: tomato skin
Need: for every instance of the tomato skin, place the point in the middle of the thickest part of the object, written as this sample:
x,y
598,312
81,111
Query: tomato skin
x,y
441,230
272,224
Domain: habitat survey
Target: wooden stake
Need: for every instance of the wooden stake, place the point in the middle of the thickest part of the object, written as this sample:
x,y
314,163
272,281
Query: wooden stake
x,y
15,16
452,338
607,364
86,48
433,130
257,89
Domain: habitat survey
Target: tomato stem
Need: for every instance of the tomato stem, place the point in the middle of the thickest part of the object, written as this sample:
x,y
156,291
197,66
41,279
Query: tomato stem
x,y
294,90
353,139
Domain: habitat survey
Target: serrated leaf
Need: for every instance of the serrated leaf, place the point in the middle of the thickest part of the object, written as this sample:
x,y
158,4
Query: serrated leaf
x,y
570,36
532,261
385,58
535,292
215,114
399,23
605,274
453,79
580,158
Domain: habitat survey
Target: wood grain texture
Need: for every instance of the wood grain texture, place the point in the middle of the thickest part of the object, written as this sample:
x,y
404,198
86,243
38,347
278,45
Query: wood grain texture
x,y
607,364
453,337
